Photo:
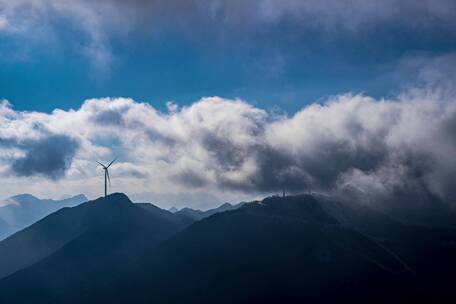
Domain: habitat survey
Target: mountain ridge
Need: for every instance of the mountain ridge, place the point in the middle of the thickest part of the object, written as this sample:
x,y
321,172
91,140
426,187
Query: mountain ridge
x,y
281,249
291,249
198,214
51,233
25,209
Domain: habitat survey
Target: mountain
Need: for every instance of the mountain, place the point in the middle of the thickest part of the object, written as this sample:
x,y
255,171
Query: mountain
x,y
93,230
179,219
173,209
23,210
5,229
222,208
293,249
197,214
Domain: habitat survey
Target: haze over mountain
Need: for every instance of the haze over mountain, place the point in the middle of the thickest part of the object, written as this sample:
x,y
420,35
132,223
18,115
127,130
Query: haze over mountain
x,y
5,229
20,211
282,249
197,214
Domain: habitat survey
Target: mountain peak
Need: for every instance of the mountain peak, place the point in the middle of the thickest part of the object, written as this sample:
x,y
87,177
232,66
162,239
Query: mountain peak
x,y
25,197
117,198
225,205
173,209
107,221
303,207
78,196
271,200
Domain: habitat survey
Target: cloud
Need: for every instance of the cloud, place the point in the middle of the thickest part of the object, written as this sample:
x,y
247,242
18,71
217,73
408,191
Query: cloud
x,y
230,148
428,71
109,117
359,16
99,22
49,157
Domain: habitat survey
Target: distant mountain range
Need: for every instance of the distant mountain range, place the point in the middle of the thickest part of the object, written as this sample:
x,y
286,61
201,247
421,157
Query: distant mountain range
x,y
197,214
20,211
293,249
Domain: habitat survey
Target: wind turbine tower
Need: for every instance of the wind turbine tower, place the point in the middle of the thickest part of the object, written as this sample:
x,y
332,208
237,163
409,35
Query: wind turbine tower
x,y
106,175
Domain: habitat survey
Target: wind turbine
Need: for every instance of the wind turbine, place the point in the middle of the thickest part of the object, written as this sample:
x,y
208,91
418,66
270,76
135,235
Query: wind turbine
x,y
106,175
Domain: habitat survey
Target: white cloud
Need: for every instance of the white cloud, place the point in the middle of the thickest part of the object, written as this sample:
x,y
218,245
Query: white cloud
x,y
231,150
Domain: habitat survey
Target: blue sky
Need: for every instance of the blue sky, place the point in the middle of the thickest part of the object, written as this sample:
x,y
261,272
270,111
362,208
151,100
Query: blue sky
x,y
211,101
285,62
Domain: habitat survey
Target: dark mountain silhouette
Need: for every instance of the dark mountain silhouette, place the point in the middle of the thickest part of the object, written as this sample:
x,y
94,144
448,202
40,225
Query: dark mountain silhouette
x,y
197,214
178,219
25,209
281,250
107,223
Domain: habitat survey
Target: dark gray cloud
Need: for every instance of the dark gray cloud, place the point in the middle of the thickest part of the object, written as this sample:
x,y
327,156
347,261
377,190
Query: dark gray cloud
x,y
380,148
352,15
278,169
229,156
49,157
221,21
191,179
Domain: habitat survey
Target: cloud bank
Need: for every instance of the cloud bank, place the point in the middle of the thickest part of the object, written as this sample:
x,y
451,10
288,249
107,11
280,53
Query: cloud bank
x,y
229,148
99,22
